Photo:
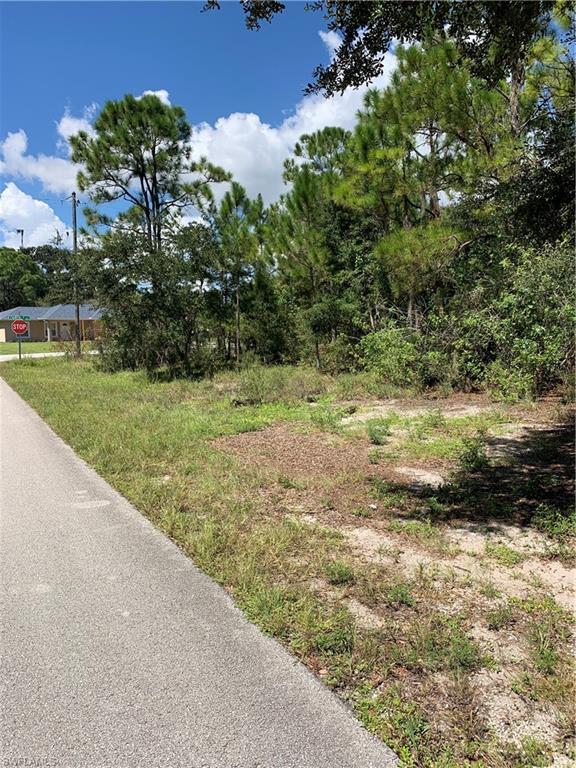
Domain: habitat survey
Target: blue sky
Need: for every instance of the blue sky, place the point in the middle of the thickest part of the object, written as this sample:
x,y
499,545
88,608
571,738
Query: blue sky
x,y
242,91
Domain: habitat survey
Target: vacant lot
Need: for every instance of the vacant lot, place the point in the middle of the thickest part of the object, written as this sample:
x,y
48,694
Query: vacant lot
x,y
416,553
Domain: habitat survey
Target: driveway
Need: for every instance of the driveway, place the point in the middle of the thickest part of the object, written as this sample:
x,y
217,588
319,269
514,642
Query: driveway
x,y
117,651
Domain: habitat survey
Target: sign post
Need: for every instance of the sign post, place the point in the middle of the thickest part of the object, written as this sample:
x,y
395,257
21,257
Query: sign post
x,y
20,328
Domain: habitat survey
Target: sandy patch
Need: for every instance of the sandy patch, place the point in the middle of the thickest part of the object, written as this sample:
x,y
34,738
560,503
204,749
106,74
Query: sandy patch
x,y
520,581
472,538
363,615
420,478
562,761
556,578
508,715
450,410
505,646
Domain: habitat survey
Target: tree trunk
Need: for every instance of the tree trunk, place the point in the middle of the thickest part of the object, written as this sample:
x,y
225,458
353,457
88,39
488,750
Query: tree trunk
x,y
434,203
317,352
516,82
371,316
433,194
410,308
237,318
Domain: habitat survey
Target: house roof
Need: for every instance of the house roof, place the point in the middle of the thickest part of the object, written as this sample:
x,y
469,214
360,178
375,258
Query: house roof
x,y
58,312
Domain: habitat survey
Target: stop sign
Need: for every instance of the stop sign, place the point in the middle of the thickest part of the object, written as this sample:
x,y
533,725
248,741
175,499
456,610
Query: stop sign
x,y
19,327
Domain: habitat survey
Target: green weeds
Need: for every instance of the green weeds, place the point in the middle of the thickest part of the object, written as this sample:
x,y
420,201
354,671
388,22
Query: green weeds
x,y
378,431
424,532
503,554
339,573
326,417
554,522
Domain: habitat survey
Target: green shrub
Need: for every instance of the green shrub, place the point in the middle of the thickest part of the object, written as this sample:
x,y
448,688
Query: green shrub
x,y
339,573
392,354
472,456
326,417
378,431
508,384
554,522
519,343
339,356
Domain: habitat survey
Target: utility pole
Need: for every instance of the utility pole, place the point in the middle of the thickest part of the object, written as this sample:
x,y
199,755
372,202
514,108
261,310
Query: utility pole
x,y
75,273
21,233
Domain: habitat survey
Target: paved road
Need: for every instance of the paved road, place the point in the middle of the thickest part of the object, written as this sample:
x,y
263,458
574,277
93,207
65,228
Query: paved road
x,y
119,652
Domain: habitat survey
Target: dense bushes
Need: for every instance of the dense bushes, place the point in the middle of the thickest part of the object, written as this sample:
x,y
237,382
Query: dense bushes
x,y
518,343
392,353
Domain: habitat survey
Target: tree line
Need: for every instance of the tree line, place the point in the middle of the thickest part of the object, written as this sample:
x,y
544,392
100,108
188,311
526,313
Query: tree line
x,y
431,245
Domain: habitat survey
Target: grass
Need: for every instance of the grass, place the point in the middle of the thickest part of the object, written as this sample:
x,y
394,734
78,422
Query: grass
x,y
375,586
378,431
501,617
339,573
433,436
154,443
489,590
11,347
503,554
388,495
424,532
31,347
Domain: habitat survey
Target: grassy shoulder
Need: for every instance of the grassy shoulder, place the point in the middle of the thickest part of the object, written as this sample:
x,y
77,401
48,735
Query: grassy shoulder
x,y
269,481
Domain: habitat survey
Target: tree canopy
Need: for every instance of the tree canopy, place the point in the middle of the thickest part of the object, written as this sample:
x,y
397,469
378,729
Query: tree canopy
x,y
495,35
421,246
140,154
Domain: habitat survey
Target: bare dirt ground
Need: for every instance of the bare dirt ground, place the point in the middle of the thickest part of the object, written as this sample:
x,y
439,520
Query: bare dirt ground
x,y
467,537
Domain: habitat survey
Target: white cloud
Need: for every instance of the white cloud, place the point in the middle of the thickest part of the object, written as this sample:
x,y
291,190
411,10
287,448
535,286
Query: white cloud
x,y
56,174
255,151
331,40
21,211
162,94
68,125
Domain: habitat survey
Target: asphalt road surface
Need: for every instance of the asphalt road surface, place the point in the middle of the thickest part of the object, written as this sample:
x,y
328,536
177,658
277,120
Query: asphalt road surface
x,y
117,651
